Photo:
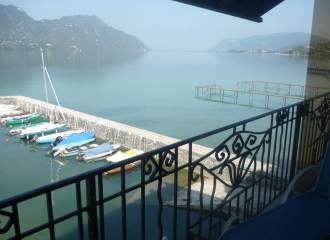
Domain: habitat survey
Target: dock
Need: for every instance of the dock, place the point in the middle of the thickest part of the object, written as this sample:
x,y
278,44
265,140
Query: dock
x,y
280,88
219,94
319,71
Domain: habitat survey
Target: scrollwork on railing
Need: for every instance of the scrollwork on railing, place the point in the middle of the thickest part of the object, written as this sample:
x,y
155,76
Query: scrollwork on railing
x,y
9,223
153,167
238,157
281,117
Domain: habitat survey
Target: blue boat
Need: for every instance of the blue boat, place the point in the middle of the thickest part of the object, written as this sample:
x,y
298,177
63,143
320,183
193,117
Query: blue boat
x,y
74,137
73,144
98,152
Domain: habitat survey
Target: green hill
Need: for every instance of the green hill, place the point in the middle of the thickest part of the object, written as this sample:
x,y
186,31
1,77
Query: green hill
x,y
19,31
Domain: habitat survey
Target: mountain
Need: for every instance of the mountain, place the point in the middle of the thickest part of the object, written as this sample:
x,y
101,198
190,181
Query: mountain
x,y
315,50
19,31
274,42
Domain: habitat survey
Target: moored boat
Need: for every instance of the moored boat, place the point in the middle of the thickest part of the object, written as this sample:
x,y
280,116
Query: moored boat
x,y
74,144
73,151
52,137
16,114
30,119
46,128
15,130
96,153
6,119
120,156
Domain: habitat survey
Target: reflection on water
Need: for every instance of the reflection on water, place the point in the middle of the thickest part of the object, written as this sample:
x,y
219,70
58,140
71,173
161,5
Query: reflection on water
x,y
66,59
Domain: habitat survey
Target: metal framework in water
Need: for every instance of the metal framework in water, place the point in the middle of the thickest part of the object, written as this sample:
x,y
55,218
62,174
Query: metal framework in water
x,y
260,156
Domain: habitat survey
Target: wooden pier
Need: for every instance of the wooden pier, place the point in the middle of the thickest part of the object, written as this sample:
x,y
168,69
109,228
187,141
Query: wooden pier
x,y
320,71
278,88
215,93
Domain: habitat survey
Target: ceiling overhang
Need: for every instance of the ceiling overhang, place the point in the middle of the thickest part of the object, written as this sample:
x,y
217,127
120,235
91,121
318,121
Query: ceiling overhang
x,y
247,9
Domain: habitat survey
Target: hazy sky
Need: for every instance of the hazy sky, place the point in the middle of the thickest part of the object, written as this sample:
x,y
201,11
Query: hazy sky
x,y
169,25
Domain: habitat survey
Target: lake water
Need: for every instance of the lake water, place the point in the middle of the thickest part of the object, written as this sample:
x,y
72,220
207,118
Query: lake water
x,y
154,91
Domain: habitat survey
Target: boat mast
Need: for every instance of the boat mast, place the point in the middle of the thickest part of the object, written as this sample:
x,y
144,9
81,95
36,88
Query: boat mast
x,y
51,84
43,68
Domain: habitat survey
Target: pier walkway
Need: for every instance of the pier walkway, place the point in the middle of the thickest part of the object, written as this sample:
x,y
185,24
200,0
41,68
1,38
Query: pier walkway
x,y
279,88
215,93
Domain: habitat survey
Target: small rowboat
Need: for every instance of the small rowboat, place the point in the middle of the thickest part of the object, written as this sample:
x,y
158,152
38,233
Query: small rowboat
x,y
19,113
120,156
11,112
33,118
99,152
70,152
6,119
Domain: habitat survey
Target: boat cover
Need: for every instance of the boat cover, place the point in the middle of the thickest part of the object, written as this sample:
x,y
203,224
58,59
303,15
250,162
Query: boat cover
x,y
103,148
75,137
73,144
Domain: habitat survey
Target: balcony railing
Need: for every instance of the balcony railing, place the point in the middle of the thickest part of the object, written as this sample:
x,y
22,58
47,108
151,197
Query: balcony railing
x,y
250,165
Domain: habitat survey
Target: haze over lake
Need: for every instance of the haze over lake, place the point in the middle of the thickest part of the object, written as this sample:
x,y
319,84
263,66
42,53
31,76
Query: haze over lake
x,y
152,90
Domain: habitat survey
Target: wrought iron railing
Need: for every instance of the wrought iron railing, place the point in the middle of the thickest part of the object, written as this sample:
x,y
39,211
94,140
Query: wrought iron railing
x,y
251,164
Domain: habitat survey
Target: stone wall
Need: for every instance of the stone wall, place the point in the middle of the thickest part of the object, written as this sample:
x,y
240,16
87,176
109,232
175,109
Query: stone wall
x,y
125,135
118,133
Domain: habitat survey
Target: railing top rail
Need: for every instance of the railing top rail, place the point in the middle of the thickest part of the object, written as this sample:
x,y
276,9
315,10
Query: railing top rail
x,y
68,181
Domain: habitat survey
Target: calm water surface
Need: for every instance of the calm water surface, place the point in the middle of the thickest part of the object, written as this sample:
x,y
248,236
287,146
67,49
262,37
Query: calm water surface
x,y
153,91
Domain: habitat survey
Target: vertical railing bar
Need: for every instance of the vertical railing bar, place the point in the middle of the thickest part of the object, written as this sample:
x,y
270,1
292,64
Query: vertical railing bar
x,y
143,201
229,209
261,175
92,208
220,223
295,142
101,206
289,149
318,150
189,191
50,215
79,214
308,139
284,151
314,127
303,149
175,213
159,195
254,178
16,222
273,164
301,132
268,157
201,207
237,205
278,160
215,232
211,206
123,202
245,200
